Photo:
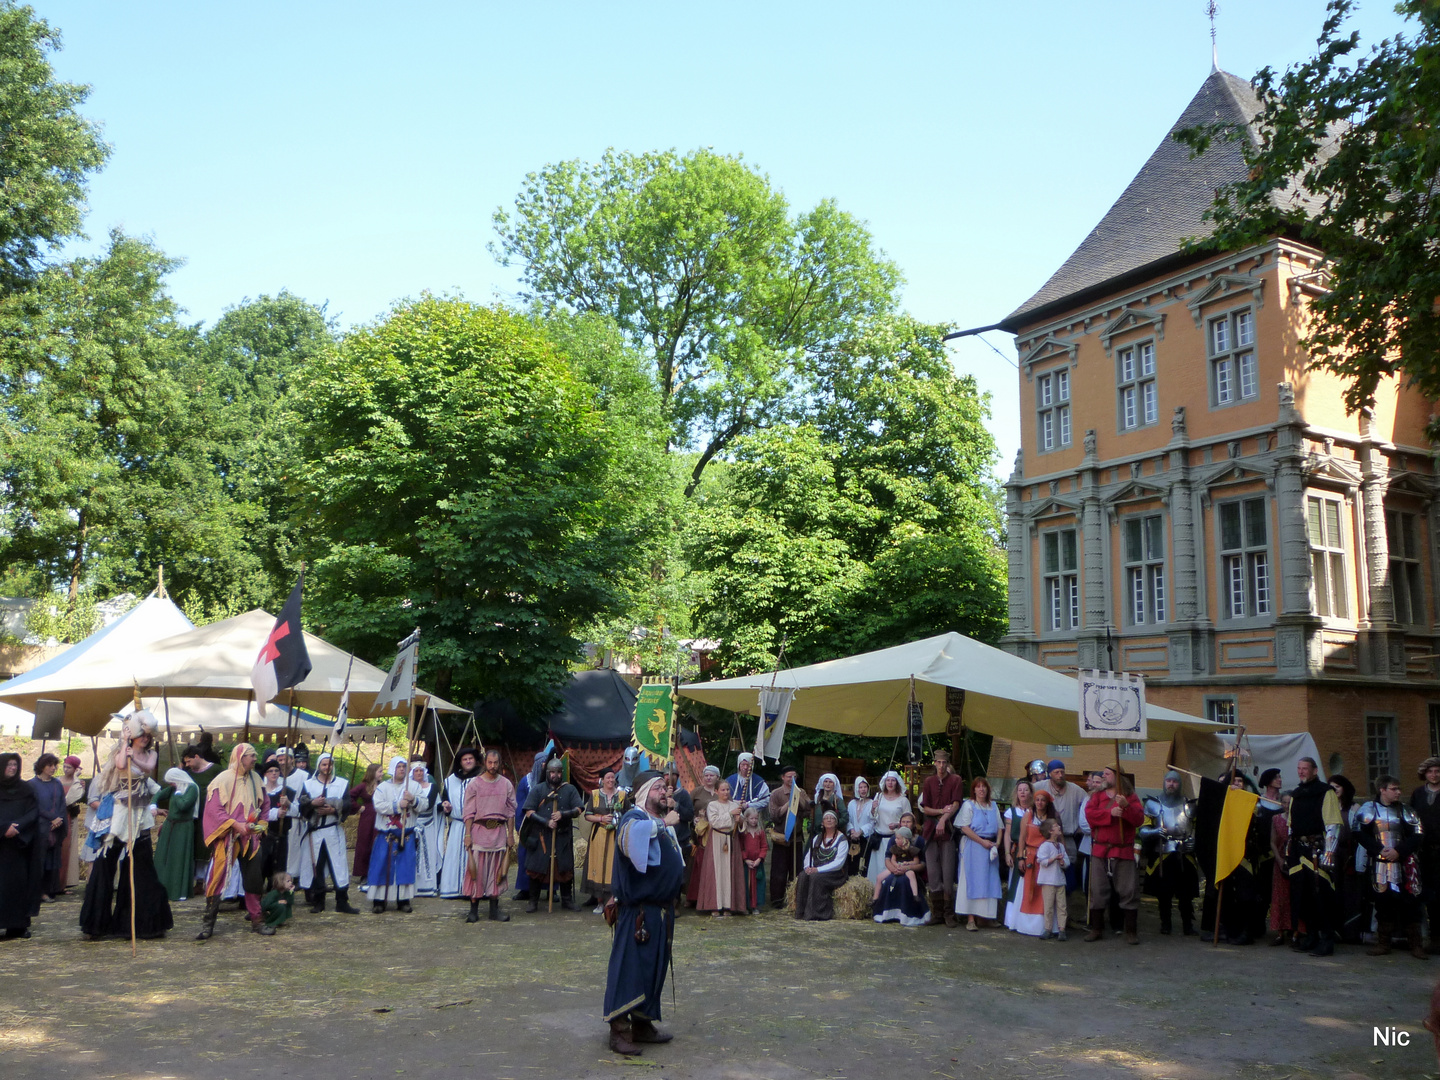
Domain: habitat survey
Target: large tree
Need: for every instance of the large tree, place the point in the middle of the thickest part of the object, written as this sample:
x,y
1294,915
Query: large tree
x,y
1361,134
873,524
47,149
701,264
460,476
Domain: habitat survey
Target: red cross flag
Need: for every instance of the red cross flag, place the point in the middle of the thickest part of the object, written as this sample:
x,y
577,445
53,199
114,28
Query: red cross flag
x,y
283,661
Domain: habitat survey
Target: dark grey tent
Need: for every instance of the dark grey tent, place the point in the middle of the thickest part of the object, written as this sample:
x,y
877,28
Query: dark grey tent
x,y
597,708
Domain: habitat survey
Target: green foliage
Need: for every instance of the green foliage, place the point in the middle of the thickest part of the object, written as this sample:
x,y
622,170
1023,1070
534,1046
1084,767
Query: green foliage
x,y
871,525
65,621
460,477
1361,135
701,265
47,149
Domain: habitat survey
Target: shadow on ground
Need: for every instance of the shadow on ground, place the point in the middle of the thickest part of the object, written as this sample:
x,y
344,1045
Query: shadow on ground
x,y
425,995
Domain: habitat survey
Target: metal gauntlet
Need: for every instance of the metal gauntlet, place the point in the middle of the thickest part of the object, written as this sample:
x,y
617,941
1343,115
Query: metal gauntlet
x,y
1332,841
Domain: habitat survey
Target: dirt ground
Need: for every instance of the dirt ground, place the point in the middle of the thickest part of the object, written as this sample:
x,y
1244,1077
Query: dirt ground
x,y
427,995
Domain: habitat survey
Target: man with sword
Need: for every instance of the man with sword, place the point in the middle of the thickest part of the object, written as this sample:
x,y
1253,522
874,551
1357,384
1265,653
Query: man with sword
x,y
549,836
322,801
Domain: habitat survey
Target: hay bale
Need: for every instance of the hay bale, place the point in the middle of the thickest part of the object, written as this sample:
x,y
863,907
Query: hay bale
x,y
852,900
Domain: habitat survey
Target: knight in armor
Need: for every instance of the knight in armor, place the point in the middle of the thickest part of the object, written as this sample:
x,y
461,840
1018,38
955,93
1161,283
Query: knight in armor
x,y
635,762
1314,819
322,803
1390,831
1168,842
549,835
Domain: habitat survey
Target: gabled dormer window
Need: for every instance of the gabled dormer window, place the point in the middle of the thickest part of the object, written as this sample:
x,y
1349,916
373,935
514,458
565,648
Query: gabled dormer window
x,y
1052,408
1139,404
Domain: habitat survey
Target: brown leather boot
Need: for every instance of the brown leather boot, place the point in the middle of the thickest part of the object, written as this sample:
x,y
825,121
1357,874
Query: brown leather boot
x,y
937,915
1383,933
620,1038
950,919
645,1031
1417,943
1132,932
1097,924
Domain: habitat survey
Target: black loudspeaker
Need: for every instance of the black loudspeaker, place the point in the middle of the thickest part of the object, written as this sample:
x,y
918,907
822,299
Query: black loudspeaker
x,y
49,719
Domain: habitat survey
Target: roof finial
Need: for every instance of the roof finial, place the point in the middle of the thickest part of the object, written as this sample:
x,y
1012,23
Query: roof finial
x,y
1212,9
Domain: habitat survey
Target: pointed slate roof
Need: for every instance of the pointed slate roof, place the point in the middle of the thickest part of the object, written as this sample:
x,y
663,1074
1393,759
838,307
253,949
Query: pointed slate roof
x,y
1163,206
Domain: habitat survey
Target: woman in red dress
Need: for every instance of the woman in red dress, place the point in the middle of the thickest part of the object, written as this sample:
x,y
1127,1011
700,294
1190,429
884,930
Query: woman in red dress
x,y
362,800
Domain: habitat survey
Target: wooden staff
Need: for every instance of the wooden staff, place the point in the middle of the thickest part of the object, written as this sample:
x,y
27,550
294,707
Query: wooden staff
x,y
554,844
169,735
1220,888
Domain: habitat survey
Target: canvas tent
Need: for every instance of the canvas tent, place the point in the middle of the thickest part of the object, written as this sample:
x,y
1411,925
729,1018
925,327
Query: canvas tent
x,y
211,661
867,694
153,619
1208,754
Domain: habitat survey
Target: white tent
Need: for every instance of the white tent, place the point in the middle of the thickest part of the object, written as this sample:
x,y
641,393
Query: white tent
x,y
211,661
867,694
149,621
222,716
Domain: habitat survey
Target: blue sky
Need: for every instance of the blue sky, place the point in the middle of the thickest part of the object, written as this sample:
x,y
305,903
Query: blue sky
x,y
354,152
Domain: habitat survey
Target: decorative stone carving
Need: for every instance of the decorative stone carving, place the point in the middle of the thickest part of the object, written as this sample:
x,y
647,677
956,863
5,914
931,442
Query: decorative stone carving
x,y
1286,394
1090,443
1177,422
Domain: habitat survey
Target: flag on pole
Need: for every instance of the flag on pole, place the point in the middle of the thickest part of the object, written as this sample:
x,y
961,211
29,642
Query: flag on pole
x,y
283,661
774,708
398,690
654,727
342,714
794,811
1234,826
1112,706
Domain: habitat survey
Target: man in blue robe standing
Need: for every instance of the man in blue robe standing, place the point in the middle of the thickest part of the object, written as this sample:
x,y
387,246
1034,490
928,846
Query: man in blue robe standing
x,y
648,872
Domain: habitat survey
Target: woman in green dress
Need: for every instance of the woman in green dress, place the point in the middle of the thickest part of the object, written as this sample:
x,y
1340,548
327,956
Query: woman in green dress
x,y
175,854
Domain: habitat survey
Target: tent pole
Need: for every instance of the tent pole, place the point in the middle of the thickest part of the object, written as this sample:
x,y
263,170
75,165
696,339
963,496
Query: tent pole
x,y
248,700
169,734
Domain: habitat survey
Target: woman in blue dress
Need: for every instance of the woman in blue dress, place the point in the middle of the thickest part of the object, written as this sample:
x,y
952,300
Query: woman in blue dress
x,y
977,893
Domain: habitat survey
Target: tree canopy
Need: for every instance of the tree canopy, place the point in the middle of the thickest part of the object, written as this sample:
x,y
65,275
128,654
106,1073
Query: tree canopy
x,y
1360,133
700,263
460,476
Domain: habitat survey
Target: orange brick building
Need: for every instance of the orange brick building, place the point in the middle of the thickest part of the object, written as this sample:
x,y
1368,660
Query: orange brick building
x,y
1192,503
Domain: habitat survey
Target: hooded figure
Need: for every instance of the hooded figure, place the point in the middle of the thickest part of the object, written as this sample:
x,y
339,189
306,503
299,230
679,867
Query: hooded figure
x,y
548,834
1168,842
322,804
535,776
745,787
175,851
232,821
124,820
451,817
19,861
636,762
394,860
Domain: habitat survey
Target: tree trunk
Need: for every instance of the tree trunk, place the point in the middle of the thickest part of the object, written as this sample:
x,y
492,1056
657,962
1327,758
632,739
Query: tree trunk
x,y
77,564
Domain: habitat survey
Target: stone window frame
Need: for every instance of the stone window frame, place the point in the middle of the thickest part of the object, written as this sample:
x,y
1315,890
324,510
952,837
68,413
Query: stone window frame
x,y
1413,579
1058,409
1127,566
1135,353
1212,700
1252,618
1233,353
1073,600
1391,737
1132,751
1325,553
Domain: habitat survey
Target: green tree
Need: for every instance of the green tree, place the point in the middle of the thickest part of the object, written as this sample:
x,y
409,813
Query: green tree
x,y
88,399
459,476
47,149
700,263
1361,135
871,525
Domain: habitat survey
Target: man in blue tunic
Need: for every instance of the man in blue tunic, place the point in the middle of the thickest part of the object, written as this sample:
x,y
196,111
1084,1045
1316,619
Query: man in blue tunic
x,y
648,872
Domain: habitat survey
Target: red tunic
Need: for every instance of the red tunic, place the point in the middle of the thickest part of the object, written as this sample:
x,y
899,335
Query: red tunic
x,y
1113,838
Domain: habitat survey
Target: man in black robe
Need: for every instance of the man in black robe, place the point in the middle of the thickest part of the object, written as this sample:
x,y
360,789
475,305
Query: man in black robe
x,y
646,881
548,834
1315,819
19,866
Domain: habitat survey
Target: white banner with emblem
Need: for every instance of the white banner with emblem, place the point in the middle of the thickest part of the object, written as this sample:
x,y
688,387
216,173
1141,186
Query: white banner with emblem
x,y
1112,706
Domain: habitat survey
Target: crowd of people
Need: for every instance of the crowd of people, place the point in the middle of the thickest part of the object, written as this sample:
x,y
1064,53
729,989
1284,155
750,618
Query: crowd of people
x,y
1319,867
